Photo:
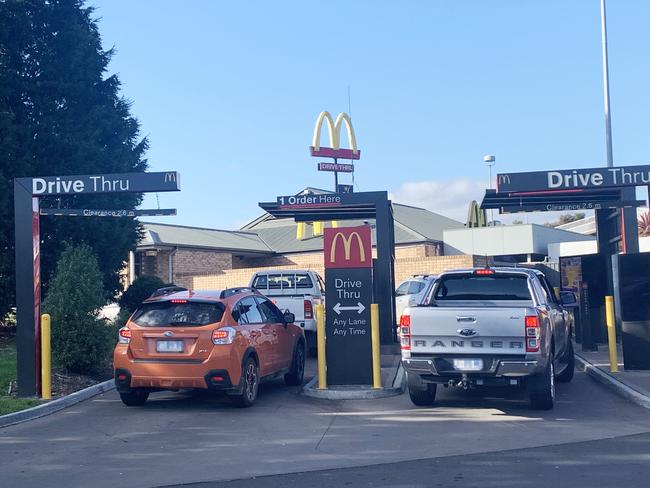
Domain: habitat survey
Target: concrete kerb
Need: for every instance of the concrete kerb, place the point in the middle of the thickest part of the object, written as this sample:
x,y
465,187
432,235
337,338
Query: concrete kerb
x,y
56,405
356,392
613,383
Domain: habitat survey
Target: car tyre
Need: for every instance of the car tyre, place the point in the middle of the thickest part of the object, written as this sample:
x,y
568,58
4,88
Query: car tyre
x,y
297,373
567,374
137,397
250,384
423,398
541,388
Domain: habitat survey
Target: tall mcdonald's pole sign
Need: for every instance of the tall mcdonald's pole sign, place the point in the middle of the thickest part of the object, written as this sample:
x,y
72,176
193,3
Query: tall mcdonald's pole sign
x,y
335,150
348,288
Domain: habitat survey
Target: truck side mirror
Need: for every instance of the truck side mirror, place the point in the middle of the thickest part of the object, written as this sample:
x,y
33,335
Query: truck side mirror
x,y
568,299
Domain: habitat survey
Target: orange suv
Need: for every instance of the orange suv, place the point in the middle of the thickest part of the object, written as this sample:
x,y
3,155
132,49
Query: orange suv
x,y
227,341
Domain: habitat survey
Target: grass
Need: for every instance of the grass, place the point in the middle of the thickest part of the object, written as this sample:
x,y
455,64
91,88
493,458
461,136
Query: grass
x,y
9,403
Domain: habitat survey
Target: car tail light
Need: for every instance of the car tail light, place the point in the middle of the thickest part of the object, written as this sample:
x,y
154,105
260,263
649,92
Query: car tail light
x,y
405,332
124,335
309,310
223,335
532,333
485,271
178,301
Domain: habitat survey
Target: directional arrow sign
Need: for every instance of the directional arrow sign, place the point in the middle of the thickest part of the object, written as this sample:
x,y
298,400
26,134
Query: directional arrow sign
x,y
348,295
358,307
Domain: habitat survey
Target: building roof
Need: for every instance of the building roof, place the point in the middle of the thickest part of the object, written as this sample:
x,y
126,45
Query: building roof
x,y
156,235
269,235
585,226
413,225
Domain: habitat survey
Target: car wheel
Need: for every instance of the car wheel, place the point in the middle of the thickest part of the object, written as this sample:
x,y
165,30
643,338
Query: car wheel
x,y
135,398
567,374
423,398
250,384
295,376
541,388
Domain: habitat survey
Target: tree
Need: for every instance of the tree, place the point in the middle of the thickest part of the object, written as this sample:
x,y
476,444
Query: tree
x,y
141,289
61,114
644,224
565,219
81,342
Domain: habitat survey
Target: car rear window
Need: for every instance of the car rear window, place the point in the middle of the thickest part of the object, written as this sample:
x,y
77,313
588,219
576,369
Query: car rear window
x,y
175,313
483,287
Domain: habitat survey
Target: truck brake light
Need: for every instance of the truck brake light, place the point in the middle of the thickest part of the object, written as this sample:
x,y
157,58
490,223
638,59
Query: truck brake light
x,y
309,310
533,333
486,271
405,332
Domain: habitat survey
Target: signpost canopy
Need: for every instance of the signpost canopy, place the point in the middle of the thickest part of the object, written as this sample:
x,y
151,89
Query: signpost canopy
x,y
102,183
574,179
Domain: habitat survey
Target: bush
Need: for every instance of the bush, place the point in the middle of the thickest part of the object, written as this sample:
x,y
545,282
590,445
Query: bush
x,y
122,318
141,289
81,342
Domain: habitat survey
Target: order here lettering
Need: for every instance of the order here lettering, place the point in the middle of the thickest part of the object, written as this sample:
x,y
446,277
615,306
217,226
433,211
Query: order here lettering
x,y
41,186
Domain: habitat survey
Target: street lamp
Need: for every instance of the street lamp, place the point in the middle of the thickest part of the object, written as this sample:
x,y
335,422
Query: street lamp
x,y
490,160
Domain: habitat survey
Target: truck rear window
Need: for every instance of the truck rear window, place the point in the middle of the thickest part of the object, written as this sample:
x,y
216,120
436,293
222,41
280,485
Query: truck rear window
x,y
282,281
178,314
485,287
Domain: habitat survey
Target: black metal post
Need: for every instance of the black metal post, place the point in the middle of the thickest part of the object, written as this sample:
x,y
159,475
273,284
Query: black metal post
x,y
25,292
385,275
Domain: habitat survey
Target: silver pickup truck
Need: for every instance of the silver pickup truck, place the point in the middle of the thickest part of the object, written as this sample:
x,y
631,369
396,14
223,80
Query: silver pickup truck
x,y
488,327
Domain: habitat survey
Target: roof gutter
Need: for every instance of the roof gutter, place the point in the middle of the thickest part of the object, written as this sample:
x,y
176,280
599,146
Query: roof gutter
x,y
171,265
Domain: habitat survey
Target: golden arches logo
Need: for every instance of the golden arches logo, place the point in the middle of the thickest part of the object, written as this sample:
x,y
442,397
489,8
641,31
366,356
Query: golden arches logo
x,y
347,246
334,129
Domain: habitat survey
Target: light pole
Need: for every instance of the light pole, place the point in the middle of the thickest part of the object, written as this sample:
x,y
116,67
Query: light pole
x,y
608,117
490,160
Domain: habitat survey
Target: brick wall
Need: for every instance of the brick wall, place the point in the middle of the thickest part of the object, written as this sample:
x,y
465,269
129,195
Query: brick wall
x,y
404,267
188,263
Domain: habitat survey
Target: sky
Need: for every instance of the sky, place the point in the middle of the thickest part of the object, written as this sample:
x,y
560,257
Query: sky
x,y
228,94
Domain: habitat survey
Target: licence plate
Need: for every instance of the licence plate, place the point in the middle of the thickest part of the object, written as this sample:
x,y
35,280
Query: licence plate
x,y
169,346
468,364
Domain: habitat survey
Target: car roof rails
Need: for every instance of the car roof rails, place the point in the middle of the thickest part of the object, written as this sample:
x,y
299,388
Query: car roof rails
x,y
167,290
228,292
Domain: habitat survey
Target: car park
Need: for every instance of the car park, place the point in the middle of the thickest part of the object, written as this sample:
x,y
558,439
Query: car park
x,y
223,341
411,292
488,327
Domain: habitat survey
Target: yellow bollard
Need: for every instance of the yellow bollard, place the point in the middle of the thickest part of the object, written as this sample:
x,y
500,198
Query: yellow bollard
x,y
376,352
46,357
320,340
611,333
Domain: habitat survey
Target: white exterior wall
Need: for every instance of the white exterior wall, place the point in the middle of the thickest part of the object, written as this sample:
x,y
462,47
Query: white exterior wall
x,y
504,240
562,249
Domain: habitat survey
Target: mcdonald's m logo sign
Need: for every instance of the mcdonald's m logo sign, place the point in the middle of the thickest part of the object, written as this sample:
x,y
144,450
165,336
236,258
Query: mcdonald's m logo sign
x,y
334,129
348,247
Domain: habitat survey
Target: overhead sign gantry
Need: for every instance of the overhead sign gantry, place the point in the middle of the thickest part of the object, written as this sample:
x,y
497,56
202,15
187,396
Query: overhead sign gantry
x,y
27,194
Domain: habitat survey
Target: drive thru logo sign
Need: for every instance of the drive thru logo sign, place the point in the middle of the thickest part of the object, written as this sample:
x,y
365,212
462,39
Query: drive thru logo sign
x,y
348,247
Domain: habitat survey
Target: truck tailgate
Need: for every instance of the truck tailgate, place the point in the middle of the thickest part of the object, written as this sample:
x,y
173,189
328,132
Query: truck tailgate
x,y
484,330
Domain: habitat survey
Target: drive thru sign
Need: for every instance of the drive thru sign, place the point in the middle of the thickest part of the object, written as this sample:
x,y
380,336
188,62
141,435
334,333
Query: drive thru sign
x,y
348,288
